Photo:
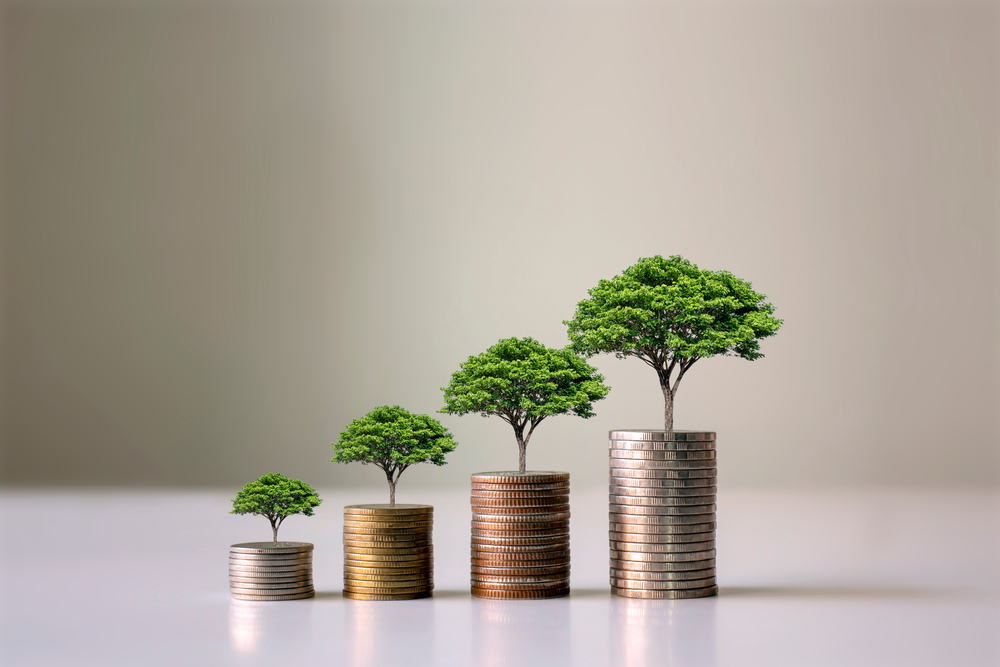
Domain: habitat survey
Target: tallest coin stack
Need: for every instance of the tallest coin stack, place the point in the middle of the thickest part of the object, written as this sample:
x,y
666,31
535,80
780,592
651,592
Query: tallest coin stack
x,y
662,514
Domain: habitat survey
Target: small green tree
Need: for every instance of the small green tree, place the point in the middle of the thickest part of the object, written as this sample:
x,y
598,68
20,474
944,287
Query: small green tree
x,y
276,497
669,314
523,382
393,439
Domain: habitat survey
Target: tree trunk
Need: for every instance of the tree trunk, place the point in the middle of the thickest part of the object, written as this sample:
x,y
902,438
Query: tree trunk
x,y
274,531
668,408
392,493
522,446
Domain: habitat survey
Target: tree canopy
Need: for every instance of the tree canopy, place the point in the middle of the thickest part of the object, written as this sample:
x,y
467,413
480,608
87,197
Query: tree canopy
x,y
523,382
393,439
669,313
276,497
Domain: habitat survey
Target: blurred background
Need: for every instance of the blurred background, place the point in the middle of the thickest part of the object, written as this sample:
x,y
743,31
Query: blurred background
x,y
229,228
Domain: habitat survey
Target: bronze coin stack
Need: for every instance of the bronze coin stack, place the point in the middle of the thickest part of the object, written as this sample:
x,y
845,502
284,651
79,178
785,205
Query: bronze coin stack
x,y
663,514
520,535
388,552
271,571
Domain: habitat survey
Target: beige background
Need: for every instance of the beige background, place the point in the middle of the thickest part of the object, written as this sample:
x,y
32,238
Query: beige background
x,y
231,227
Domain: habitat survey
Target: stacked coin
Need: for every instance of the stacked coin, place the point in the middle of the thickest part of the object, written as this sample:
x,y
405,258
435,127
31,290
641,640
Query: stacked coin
x,y
388,552
663,514
520,535
271,570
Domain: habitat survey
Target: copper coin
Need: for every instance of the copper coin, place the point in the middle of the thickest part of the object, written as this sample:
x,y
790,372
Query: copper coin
x,y
562,591
561,487
520,571
515,477
535,517
530,557
520,494
559,538
520,502
544,510
535,548
512,528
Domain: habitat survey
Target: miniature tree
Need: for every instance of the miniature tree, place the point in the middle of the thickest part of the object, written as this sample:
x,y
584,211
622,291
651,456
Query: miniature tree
x,y
276,497
523,382
669,313
393,439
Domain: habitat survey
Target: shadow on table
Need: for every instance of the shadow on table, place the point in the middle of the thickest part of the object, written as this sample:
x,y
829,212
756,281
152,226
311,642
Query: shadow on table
x,y
829,592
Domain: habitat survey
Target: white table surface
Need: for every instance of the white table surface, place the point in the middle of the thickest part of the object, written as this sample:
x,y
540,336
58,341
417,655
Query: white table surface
x,y
808,578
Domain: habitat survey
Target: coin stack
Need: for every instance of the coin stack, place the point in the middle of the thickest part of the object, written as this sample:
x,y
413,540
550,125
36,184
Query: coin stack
x,y
663,514
388,552
271,570
520,535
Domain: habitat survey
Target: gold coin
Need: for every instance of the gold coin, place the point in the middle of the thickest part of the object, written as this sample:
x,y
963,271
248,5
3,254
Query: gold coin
x,y
398,509
559,592
542,494
365,585
535,510
389,558
562,568
371,544
398,596
389,525
562,487
388,552
514,477
426,575
518,534
350,570
387,590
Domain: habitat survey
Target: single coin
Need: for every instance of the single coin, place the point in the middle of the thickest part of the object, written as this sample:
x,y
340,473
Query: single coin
x,y
676,585
623,464
648,473
535,517
520,495
662,558
270,580
389,525
512,529
667,595
240,590
639,566
365,596
506,533
270,547
372,544
558,538
280,587
350,570
645,501
419,576
352,533
541,564
657,492
662,436
662,455
560,592
560,578
663,576
274,598
654,538
386,558
387,590
363,584
270,558
663,529
560,487
399,508
652,445
511,557
562,571
351,561
307,565
502,586
617,516
392,551
561,499
662,510
640,547
524,548
661,483
534,511
515,477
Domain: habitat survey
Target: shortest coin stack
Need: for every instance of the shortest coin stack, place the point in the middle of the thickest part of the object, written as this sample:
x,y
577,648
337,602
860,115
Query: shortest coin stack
x,y
520,535
271,570
388,552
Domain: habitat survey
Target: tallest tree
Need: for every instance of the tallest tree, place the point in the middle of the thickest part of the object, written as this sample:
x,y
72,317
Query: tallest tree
x,y
669,314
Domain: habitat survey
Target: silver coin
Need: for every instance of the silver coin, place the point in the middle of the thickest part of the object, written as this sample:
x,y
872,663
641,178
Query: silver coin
x,y
271,591
661,436
667,595
662,455
271,570
618,516
275,586
270,580
642,547
662,529
662,501
270,547
670,446
675,585
681,566
662,484
662,558
661,510
630,464
275,598
660,492
656,538
270,558
663,576
649,473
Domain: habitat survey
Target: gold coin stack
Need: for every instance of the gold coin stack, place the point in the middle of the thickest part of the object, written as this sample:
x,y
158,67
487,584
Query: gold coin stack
x,y
388,552
663,514
520,535
271,571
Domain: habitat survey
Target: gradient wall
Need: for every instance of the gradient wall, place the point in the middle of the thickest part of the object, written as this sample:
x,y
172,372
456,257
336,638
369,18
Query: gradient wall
x,y
229,228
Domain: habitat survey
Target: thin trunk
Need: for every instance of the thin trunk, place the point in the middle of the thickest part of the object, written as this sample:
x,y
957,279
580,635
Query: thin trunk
x,y
668,408
522,447
274,531
392,493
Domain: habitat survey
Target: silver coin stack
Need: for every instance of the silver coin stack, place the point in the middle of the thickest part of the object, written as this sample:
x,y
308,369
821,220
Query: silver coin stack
x,y
271,571
662,520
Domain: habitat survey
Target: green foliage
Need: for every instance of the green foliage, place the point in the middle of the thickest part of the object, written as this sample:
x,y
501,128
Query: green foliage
x,y
669,313
394,439
523,382
276,497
